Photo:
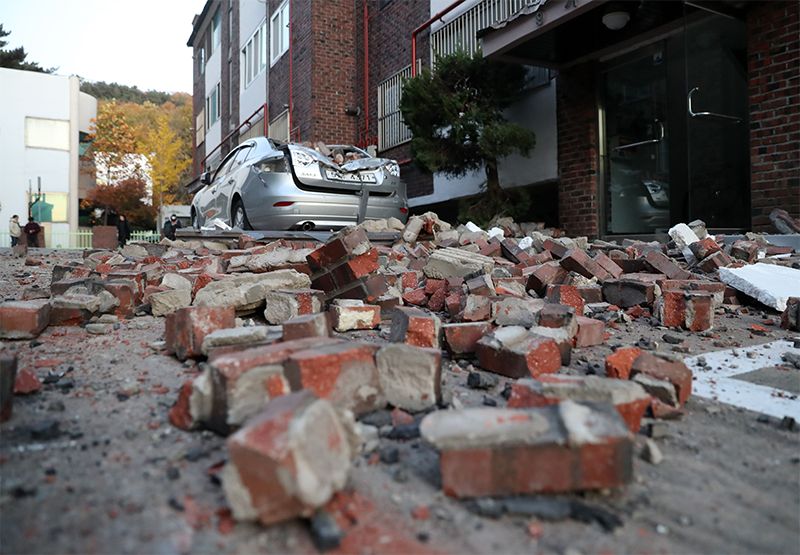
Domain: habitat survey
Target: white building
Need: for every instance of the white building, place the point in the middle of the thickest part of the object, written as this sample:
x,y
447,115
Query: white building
x,y
43,122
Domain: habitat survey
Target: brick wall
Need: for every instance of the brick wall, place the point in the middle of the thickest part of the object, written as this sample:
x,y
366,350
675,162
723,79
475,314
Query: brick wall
x,y
390,29
773,51
578,153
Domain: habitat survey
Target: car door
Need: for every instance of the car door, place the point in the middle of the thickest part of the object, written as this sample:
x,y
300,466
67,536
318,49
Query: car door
x,y
232,181
220,177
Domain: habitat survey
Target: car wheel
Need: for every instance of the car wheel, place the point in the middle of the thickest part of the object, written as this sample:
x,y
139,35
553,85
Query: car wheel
x,y
239,216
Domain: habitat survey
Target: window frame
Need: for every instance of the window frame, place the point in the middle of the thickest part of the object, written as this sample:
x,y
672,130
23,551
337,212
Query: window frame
x,y
253,55
282,15
213,99
216,31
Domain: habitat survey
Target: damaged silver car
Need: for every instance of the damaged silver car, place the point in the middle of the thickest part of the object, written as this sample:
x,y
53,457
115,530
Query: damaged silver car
x,y
267,185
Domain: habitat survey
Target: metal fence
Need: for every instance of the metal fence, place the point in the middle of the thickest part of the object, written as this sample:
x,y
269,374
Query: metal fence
x,y
148,236
392,131
81,239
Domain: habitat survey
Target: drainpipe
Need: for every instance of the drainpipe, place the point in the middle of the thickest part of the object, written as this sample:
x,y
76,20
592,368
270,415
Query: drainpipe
x,y
366,73
424,26
291,72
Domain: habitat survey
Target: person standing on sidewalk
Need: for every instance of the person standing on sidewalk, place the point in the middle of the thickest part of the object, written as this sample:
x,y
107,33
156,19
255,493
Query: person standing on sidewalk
x,y
123,230
14,230
32,230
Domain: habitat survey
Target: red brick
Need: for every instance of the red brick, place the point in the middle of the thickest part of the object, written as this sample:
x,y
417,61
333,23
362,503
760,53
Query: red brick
x,y
675,372
515,352
664,264
355,317
628,398
714,261
26,382
481,285
454,303
24,319
180,415
123,292
704,247
590,332
349,242
343,373
608,264
462,338
186,328
416,297
790,318
576,260
541,450
566,295
434,285
415,327
556,249
356,268
436,301
409,280
307,325
545,274
289,460
619,363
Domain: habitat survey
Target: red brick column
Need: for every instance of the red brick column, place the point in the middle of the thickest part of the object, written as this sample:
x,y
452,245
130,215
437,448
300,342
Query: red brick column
x,y
773,67
578,155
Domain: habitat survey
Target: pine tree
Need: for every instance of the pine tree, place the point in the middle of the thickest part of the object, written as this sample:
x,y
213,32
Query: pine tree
x,y
455,114
14,58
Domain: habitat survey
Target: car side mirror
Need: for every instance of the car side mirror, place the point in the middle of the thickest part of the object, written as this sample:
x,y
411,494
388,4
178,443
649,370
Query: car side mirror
x,y
205,178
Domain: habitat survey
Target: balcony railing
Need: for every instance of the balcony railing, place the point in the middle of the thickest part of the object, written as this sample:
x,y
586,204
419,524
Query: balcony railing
x,y
392,131
460,33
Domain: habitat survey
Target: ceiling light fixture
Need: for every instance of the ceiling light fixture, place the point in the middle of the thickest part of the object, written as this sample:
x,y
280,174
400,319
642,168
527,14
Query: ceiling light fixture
x,y
616,20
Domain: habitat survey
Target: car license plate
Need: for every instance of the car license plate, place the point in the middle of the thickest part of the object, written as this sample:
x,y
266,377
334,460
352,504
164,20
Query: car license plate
x,y
351,177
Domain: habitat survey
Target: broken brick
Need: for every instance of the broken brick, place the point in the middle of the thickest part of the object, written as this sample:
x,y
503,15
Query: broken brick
x,y
591,332
566,295
307,325
515,352
343,373
559,448
24,319
410,377
413,326
288,461
673,371
462,338
186,328
664,264
354,315
619,363
26,382
576,260
630,400
549,273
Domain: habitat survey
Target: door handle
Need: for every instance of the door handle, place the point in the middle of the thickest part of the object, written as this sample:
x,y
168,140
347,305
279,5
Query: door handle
x,y
645,142
711,115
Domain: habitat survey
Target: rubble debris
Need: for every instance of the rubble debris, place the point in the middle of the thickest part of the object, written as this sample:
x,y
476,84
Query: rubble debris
x,y
415,327
566,447
247,336
288,461
516,352
790,318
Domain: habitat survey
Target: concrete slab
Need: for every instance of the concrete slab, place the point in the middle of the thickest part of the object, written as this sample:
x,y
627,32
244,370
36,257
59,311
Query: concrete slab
x,y
720,378
769,284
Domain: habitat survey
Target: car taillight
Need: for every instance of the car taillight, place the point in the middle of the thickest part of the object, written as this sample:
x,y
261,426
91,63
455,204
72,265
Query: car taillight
x,y
404,210
283,203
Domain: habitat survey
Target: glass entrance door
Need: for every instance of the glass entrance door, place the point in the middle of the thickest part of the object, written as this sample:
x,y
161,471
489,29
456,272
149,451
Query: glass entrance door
x,y
637,150
717,124
676,132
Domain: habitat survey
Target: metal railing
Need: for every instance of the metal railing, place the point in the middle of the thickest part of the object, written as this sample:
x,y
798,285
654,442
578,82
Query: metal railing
x,y
392,131
148,236
461,32
81,239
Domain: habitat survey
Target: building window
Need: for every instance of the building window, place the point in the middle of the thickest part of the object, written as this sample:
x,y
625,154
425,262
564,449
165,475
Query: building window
x,y
201,59
279,29
47,133
392,131
216,31
254,55
200,128
212,107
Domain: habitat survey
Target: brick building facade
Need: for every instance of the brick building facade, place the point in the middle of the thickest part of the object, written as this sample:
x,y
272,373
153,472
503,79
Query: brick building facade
x,y
342,53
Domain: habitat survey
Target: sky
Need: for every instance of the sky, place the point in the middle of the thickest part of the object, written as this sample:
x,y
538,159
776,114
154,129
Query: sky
x,y
131,42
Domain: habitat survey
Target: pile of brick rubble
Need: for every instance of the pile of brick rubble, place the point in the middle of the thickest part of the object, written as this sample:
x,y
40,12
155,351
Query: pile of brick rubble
x,y
284,379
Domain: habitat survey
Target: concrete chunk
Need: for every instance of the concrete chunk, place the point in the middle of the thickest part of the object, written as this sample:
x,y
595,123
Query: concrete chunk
x,y
769,284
